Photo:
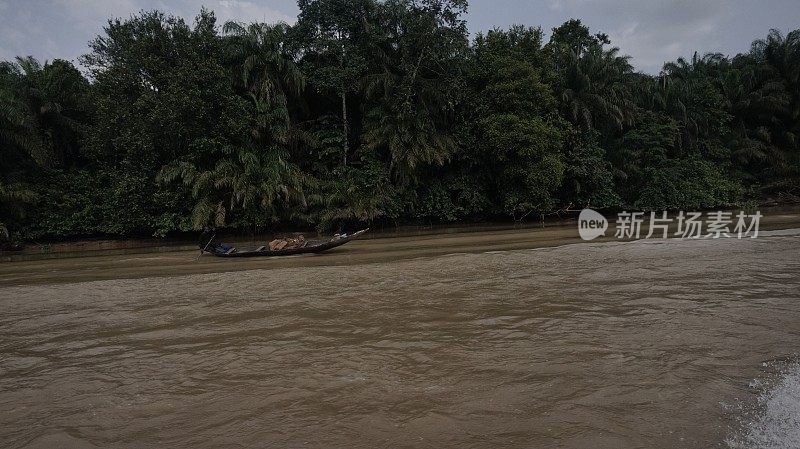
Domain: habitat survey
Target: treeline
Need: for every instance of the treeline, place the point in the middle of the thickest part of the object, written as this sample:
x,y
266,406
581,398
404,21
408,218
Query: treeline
x,y
368,110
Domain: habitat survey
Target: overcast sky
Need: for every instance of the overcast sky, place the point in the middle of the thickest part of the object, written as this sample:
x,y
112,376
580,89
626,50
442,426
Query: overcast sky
x,y
652,31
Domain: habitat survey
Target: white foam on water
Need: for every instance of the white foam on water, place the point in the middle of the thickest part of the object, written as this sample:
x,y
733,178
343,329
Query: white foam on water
x,y
776,424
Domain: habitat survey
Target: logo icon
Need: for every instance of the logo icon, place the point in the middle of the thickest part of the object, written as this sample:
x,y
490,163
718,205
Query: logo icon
x,y
591,224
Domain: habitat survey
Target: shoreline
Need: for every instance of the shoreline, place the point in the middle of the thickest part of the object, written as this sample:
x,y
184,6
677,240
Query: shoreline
x,y
375,248
110,246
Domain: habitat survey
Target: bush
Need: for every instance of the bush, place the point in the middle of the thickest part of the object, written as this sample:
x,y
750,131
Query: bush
x,y
688,184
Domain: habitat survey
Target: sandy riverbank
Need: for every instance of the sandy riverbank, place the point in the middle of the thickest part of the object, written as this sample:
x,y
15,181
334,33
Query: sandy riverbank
x,y
377,247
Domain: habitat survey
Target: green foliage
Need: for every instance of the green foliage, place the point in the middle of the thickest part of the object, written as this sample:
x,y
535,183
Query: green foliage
x,y
83,202
357,194
384,111
588,175
410,102
688,184
456,197
518,136
242,187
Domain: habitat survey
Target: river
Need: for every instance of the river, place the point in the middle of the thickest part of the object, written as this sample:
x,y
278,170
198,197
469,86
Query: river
x,y
645,344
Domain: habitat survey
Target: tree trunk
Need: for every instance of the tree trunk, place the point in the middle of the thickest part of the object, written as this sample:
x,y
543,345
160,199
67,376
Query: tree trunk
x,y
344,127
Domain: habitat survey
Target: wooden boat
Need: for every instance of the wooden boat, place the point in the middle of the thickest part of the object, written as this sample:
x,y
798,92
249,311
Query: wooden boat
x,y
310,246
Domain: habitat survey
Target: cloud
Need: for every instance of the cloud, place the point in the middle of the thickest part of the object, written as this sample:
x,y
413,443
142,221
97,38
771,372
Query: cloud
x,y
652,32
246,11
63,28
93,11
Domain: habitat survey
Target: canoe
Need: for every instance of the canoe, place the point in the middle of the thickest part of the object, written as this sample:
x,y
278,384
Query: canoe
x,y
311,246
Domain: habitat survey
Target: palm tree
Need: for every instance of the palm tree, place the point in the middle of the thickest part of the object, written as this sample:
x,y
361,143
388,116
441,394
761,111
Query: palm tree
x,y
781,53
42,103
752,102
19,140
18,128
266,71
595,92
691,93
265,67
781,57
249,181
410,100
407,120
706,66
245,181
14,197
356,195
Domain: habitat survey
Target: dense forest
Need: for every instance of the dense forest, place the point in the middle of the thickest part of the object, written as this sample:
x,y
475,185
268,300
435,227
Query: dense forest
x,y
381,111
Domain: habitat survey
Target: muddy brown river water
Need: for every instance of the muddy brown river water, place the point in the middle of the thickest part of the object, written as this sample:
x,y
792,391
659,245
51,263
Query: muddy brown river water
x,y
648,344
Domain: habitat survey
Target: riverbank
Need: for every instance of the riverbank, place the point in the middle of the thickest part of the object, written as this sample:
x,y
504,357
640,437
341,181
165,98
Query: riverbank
x,y
375,247
110,247
783,215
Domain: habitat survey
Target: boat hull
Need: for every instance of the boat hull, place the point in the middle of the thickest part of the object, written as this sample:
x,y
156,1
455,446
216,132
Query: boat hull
x,y
308,249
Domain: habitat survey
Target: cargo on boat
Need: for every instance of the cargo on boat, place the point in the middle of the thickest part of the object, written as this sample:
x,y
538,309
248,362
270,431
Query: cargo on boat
x,y
278,247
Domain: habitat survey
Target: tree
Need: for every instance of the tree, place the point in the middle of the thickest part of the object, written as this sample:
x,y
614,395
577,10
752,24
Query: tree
x,y
572,37
19,136
48,105
43,109
591,81
410,101
243,180
778,125
381,110
166,104
588,173
265,66
335,34
517,133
